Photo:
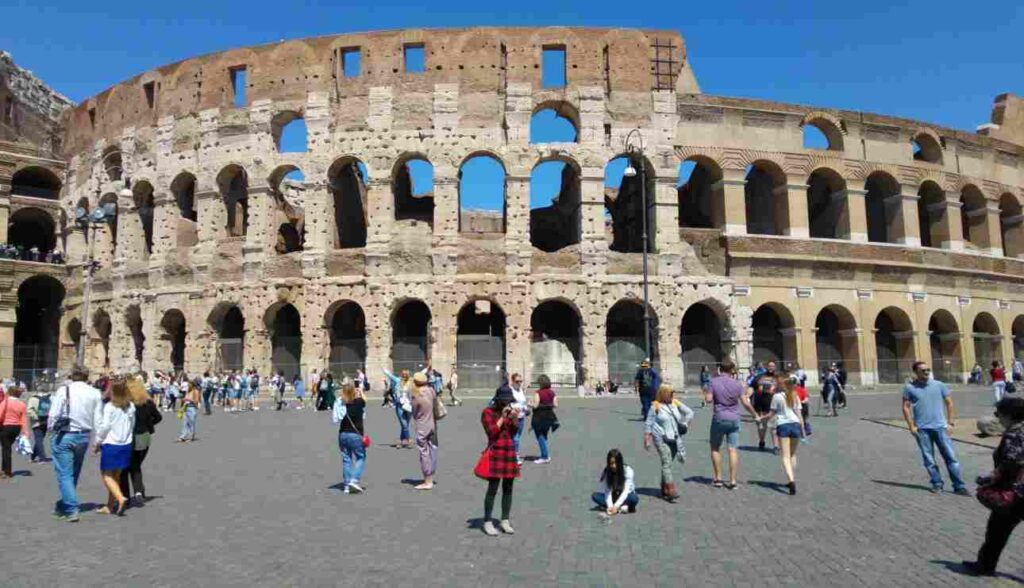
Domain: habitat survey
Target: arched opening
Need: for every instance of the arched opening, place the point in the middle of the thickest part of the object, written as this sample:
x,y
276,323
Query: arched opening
x,y
974,217
112,164
556,346
827,207
988,342
884,207
774,335
102,326
37,327
413,189
186,230
173,324
288,130
624,340
1017,331
700,193
228,323
766,198
37,182
836,339
629,180
814,137
347,180
482,204
944,343
931,213
894,346
142,195
555,205
554,122
133,320
480,345
347,327
233,184
1011,225
32,229
285,327
926,148
410,336
700,335
107,233
822,133
287,189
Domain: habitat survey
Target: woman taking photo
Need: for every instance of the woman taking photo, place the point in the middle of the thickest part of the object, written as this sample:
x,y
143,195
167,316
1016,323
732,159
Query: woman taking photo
x,y
787,411
348,414
667,421
618,491
400,387
498,463
423,398
190,406
147,416
544,403
1007,476
114,435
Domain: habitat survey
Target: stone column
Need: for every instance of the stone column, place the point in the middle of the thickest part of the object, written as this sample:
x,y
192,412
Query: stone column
x,y
517,331
518,251
795,193
666,200
212,217
446,221
670,354
381,216
857,216
734,188
595,350
5,205
594,244
1013,236
950,230
378,335
165,225
906,227
992,239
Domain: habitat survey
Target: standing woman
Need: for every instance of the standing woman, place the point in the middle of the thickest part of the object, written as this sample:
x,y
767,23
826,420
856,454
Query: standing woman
x,y
498,462
191,406
667,421
787,411
998,375
423,398
544,420
349,411
400,387
114,436
14,421
147,416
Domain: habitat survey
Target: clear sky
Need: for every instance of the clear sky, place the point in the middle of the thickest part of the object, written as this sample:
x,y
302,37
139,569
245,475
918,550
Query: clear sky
x,y
939,61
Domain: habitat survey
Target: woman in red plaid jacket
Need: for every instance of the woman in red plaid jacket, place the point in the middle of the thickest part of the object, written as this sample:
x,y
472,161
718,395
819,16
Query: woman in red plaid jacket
x,y
499,461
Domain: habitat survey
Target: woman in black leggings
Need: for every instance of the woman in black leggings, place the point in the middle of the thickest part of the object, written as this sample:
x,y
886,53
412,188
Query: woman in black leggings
x,y
499,464
147,415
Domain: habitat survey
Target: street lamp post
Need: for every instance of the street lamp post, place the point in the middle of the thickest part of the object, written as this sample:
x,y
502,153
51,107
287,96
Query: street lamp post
x,y
635,149
102,215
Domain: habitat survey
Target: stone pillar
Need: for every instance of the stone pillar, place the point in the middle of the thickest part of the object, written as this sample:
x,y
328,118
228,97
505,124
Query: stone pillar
x,y
670,354
594,244
212,217
165,225
131,240
260,233
518,250
595,350
950,233
857,216
8,318
380,206
315,346
666,200
992,238
319,216
797,223
378,334
734,188
5,206
77,248
446,221
906,227
517,331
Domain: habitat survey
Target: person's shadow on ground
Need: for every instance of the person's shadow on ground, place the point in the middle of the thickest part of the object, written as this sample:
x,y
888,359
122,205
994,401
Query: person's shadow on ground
x,y
902,485
959,568
776,486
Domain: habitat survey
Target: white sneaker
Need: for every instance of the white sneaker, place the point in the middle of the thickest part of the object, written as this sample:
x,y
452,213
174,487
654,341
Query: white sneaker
x,y
489,529
543,460
507,527
344,490
354,488
624,508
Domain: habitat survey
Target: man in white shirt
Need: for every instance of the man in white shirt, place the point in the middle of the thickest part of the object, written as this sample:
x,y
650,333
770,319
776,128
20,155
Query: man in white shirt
x,y
75,412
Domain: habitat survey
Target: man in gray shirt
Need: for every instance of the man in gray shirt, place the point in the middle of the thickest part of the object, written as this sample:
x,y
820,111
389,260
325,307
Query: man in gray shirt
x,y
75,411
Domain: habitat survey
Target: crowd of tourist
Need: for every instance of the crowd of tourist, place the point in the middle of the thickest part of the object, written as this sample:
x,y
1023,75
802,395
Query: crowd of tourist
x,y
9,251
117,416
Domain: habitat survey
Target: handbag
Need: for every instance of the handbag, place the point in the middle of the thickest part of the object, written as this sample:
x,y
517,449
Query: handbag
x,y
439,409
62,424
997,499
366,438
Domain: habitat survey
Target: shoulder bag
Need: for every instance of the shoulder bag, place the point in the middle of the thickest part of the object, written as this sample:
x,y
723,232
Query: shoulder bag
x,y
439,409
366,438
62,424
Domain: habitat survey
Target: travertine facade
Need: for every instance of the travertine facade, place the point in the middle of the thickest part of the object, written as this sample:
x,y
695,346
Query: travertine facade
x,y
856,252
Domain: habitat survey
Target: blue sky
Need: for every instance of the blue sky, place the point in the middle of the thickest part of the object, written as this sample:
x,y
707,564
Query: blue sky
x,y
935,61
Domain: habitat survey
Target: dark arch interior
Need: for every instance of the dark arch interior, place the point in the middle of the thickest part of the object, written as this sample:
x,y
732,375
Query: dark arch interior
x,y
174,328
763,200
931,208
348,189
480,345
32,227
37,182
37,327
231,333
145,207
987,342
286,341
184,189
701,337
769,341
829,340
625,205
624,339
235,191
557,225
881,212
288,239
410,328
698,196
133,318
893,347
827,206
556,347
410,203
348,339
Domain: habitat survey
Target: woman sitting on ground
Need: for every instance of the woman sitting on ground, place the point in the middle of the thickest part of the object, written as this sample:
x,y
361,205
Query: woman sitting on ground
x,y
617,492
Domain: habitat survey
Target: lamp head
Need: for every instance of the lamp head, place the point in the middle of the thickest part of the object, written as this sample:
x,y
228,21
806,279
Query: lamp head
x,y
630,171
81,214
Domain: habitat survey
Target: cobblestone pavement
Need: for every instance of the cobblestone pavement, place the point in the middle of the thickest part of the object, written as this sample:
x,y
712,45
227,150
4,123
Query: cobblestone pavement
x,y
255,502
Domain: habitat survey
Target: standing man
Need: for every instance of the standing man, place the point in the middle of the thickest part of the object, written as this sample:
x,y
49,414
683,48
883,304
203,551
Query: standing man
x,y
453,385
646,384
764,388
926,404
727,395
75,412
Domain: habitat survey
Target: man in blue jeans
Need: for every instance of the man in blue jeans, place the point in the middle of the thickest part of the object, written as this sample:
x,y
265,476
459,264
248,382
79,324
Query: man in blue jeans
x,y
926,403
75,411
647,382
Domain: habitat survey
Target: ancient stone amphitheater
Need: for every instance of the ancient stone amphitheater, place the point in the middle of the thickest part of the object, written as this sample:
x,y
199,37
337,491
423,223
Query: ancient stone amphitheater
x,y
889,240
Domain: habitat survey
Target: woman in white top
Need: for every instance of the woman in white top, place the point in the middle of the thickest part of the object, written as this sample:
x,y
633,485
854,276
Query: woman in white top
x,y
114,443
667,422
789,423
617,492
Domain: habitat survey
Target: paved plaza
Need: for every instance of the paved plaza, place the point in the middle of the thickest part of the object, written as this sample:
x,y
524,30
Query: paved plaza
x,y
256,502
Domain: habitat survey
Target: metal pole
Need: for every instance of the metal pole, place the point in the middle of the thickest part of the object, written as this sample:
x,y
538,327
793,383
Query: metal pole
x,y
86,293
647,305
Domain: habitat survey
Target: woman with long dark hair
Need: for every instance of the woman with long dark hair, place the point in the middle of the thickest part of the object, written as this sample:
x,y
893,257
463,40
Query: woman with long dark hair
x,y
544,420
498,463
617,492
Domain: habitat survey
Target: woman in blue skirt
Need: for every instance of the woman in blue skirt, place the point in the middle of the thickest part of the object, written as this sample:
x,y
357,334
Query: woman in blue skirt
x,y
114,443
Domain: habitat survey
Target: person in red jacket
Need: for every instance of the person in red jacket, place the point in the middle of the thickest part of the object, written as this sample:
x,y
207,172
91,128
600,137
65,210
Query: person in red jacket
x,y
998,380
499,462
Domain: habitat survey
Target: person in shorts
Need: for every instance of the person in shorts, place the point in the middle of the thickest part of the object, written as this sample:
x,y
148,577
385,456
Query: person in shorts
x,y
764,388
789,425
726,394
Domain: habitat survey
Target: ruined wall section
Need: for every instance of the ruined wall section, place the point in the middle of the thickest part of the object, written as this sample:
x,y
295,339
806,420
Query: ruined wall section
x,y
30,111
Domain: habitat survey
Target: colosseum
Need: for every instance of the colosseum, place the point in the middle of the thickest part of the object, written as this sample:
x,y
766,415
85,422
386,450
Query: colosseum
x,y
217,247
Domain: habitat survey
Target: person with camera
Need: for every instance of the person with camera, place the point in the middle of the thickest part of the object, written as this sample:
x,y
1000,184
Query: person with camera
x,y
667,421
348,413
498,464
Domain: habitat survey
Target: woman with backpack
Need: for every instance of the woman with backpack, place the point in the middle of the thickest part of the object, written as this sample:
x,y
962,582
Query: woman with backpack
x,y
147,416
38,413
667,421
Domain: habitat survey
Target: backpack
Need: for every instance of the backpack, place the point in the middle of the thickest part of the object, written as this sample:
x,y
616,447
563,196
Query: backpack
x,y
43,410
